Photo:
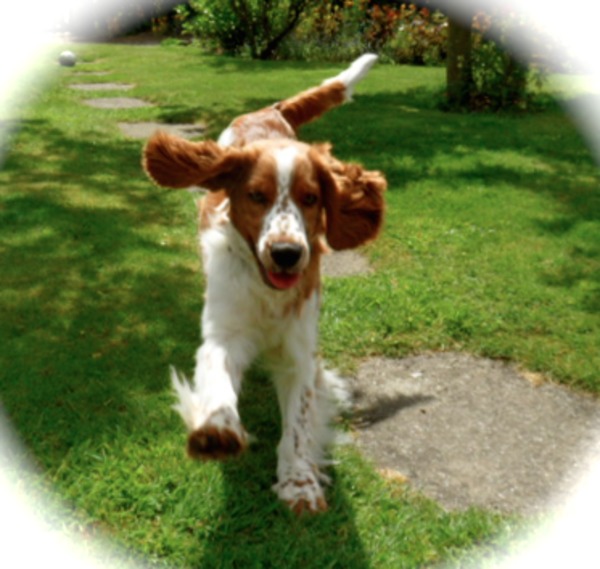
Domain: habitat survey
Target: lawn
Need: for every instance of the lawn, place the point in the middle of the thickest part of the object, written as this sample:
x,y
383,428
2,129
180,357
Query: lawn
x,y
491,246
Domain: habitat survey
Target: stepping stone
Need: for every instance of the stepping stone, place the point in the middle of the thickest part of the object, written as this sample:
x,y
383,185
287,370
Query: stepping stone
x,y
344,264
144,130
117,103
92,73
101,86
470,431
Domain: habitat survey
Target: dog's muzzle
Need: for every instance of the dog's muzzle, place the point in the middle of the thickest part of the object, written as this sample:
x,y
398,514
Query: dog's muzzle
x,y
286,263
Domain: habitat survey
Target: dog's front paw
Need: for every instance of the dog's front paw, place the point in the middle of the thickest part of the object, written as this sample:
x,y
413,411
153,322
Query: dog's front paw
x,y
302,494
220,437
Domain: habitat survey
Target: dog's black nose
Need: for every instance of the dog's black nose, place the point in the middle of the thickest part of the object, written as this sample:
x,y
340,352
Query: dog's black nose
x,y
286,255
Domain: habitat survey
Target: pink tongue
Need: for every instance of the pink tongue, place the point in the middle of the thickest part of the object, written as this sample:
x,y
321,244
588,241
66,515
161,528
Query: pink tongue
x,y
282,281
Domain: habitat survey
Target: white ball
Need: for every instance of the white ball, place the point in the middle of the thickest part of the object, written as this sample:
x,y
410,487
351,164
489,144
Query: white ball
x,y
67,58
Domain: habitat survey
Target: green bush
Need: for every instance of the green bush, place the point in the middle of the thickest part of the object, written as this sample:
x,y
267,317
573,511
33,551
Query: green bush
x,y
256,27
328,32
399,33
420,38
500,79
214,24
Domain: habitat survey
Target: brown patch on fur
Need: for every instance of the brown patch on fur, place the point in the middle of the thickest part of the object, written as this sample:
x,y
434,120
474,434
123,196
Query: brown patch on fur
x,y
353,199
303,506
312,103
312,275
212,443
283,119
246,214
178,163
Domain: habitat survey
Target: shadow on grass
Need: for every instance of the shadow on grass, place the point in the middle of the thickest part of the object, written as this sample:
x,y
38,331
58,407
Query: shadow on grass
x,y
254,528
91,308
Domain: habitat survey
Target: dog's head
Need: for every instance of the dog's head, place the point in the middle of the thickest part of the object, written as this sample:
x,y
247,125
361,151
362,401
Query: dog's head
x,y
284,195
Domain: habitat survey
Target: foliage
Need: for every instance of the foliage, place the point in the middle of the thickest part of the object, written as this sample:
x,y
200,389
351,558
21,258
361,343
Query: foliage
x,y
420,38
402,33
258,26
500,80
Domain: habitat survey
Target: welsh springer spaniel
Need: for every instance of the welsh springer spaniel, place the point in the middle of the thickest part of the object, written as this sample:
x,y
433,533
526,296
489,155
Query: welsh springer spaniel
x,y
272,203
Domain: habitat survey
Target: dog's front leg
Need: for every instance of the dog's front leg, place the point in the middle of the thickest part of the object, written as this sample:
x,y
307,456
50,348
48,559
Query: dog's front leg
x,y
209,406
298,453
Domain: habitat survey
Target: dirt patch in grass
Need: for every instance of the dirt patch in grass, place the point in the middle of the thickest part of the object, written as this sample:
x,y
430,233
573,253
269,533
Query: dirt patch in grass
x,y
471,431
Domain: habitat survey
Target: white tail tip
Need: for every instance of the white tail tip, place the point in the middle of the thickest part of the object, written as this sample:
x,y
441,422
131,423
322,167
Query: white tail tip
x,y
353,74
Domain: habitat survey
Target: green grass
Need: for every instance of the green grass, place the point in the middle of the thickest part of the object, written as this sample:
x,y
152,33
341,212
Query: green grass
x,y
491,246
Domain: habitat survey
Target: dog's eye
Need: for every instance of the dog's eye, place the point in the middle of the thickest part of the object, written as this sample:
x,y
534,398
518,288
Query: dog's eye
x,y
309,200
258,198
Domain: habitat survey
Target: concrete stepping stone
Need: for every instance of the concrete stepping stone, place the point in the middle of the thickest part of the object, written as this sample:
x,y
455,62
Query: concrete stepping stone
x,y
91,73
144,130
344,264
117,103
101,86
470,431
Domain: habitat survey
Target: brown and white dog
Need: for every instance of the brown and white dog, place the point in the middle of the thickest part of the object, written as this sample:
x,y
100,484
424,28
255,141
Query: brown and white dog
x,y
274,206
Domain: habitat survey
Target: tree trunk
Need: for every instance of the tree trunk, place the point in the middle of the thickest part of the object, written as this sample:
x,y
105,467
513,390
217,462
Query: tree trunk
x,y
293,18
459,73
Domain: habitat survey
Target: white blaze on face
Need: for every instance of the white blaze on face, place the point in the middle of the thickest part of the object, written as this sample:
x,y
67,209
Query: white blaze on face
x,y
284,222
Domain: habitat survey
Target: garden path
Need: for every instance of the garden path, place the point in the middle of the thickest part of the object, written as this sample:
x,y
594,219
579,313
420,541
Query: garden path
x,y
470,431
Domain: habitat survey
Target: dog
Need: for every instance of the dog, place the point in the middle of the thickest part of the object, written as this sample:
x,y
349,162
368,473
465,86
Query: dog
x,y
273,207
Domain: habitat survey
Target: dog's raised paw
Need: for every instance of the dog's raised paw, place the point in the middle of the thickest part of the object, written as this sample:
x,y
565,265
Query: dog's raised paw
x,y
221,437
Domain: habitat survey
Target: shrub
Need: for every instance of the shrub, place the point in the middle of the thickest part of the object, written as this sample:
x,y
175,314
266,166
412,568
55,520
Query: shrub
x,y
329,31
420,37
237,26
500,79
334,31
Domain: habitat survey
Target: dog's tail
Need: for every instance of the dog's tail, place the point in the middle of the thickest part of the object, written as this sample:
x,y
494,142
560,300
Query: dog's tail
x,y
312,103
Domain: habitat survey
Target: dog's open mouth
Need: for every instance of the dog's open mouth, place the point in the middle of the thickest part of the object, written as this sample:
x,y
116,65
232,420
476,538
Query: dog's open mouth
x,y
283,281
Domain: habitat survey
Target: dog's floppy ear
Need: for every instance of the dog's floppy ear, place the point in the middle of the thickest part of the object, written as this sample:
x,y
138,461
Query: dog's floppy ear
x,y
353,200
178,163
